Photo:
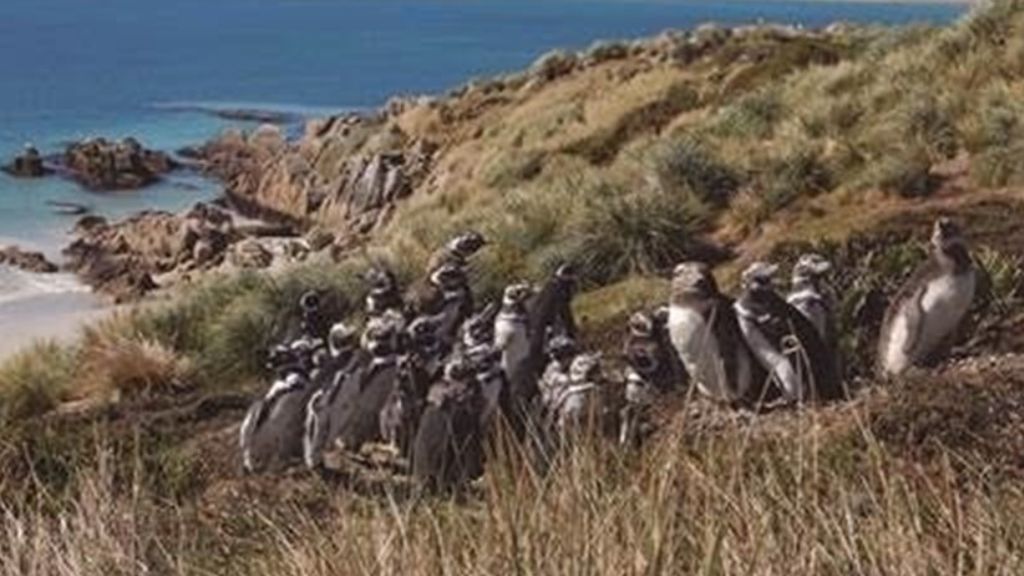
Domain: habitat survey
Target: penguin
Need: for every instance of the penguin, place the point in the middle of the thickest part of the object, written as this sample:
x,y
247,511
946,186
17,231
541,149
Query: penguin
x,y
784,341
550,315
649,352
810,295
271,434
337,410
401,413
448,450
562,350
634,416
478,330
446,295
512,326
360,423
346,359
490,376
923,319
577,406
705,332
384,294
458,250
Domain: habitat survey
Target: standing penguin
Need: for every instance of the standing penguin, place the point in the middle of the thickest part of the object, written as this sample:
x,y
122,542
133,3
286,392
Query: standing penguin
x,y
704,330
360,423
458,250
448,450
784,341
922,321
384,294
811,295
512,326
401,413
271,434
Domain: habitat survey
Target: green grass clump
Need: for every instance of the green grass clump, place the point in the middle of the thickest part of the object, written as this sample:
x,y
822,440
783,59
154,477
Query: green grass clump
x,y
754,115
623,233
35,381
685,167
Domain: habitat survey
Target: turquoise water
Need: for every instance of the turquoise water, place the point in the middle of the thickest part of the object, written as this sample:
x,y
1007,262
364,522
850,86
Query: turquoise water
x,y
73,68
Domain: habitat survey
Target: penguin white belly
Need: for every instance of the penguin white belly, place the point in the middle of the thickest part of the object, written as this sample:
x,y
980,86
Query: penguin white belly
x,y
945,302
491,390
510,336
779,367
698,348
896,359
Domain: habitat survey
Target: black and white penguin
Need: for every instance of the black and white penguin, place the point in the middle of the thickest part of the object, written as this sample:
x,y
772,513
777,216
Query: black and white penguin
x,y
577,407
360,422
478,329
562,350
384,293
346,358
400,416
784,341
458,250
512,326
923,319
704,330
448,450
271,433
341,413
648,351
551,307
809,293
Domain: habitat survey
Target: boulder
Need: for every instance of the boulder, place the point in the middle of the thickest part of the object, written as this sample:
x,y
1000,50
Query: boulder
x,y
28,261
28,164
101,164
251,253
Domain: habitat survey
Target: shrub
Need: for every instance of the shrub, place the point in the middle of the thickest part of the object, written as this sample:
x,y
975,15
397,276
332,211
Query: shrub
x,y
906,172
118,361
685,167
752,116
622,233
34,381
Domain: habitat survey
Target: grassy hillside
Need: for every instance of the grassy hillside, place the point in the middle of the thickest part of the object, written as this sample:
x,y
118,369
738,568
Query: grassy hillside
x,y
119,452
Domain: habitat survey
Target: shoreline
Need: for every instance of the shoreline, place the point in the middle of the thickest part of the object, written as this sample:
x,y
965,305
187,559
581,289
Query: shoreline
x,y
55,317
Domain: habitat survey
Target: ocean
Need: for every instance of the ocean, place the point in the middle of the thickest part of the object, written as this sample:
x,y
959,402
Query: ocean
x,y
155,69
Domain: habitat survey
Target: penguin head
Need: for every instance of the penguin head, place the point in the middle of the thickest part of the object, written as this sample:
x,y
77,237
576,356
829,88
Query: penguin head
x,y
811,266
561,348
466,244
566,274
459,369
516,295
341,339
422,332
946,234
381,280
586,368
478,329
694,279
660,316
381,337
309,302
759,276
448,276
641,325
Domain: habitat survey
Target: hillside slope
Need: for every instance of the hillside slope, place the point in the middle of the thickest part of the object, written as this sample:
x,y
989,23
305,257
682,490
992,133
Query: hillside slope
x,y
120,452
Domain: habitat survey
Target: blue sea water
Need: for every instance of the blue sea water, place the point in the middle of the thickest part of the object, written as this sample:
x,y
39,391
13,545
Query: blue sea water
x,y
73,68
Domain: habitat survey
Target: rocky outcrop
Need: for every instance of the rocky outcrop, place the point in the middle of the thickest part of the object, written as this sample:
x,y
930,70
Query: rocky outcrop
x,y
34,262
124,259
102,164
28,164
346,173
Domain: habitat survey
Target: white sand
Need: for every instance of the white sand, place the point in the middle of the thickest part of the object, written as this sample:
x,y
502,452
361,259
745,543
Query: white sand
x,y
57,317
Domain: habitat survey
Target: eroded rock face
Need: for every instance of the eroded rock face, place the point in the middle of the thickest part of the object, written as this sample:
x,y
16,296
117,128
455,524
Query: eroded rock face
x,y
34,262
124,259
346,173
28,164
102,164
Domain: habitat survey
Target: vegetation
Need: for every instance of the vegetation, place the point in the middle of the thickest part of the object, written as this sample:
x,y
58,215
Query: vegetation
x,y
119,453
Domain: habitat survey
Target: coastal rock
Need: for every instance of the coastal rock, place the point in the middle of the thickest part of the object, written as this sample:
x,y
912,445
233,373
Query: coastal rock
x,y
34,262
102,164
28,164
122,259
250,253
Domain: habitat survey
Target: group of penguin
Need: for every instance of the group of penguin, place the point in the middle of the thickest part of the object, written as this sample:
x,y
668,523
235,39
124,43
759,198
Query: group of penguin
x,y
431,375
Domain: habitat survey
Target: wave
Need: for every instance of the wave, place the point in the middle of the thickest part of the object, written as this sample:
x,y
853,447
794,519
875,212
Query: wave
x,y
18,285
257,112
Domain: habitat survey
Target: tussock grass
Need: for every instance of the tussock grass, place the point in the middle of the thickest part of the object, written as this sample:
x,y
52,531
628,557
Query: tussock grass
x,y
35,381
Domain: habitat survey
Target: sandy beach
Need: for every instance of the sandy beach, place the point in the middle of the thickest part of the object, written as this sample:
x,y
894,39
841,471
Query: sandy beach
x,y
57,317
